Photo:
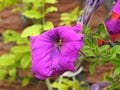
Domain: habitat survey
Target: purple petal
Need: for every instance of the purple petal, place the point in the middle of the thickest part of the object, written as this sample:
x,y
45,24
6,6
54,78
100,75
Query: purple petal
x,y
77,28
101,85
116,8
71,50
113,26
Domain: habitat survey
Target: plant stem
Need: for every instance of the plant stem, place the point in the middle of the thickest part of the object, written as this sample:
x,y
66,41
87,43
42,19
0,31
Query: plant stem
x,y
83,54
111,42
48,84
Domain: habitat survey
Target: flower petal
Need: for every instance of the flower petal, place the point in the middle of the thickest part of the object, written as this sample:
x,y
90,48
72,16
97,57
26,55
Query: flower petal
x,y
101,85
70,50
116,8
113,26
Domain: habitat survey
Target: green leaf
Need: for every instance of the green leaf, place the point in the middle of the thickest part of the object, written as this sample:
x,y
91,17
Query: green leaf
x,y
10,36
12,72
67,82
116,61
68,18
6,3
29,1
109,78
81,12
89,43
64,16
59,86
117,71
103,48
25,61
48,26
51,1
92,67
22,41
86,31
2,74
20,49
103,31
33,14
50,9
25,81
7,60
32,30
95,42
115,50
88,51
36,3
12,75
74,14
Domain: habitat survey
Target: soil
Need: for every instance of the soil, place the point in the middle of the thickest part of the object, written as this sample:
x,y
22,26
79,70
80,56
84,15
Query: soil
x,y
12,20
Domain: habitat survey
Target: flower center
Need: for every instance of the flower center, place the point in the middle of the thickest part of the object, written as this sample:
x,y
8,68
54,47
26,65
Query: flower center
x,y
59,44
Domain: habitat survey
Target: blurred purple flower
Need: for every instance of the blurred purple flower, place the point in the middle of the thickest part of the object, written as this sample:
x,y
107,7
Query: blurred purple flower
x,y
113,26
55,51
116,8
91,5
101,85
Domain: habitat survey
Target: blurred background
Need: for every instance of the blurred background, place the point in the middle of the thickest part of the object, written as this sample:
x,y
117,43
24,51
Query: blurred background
x,y
15,17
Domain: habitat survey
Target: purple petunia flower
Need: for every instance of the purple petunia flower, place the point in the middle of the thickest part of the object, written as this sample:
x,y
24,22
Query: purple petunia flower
x,y
116,8
113,26
55,51
101,85
91,5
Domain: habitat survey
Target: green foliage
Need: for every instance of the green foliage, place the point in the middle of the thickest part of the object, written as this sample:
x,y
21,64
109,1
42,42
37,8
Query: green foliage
x,y
50,9
69,18
100,55
65,84
115,50
6,3
12,74
51,1
19,57
12,36
48,25
25,61
37,13
117,71
92,52
32,30
7,60
32,14
20,49
36,29
92,67
25,81
2,74
103,31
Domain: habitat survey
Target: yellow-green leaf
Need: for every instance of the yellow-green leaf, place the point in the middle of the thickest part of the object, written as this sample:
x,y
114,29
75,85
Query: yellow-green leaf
x,y
48,26
50,9
32,30
7,60
32,14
